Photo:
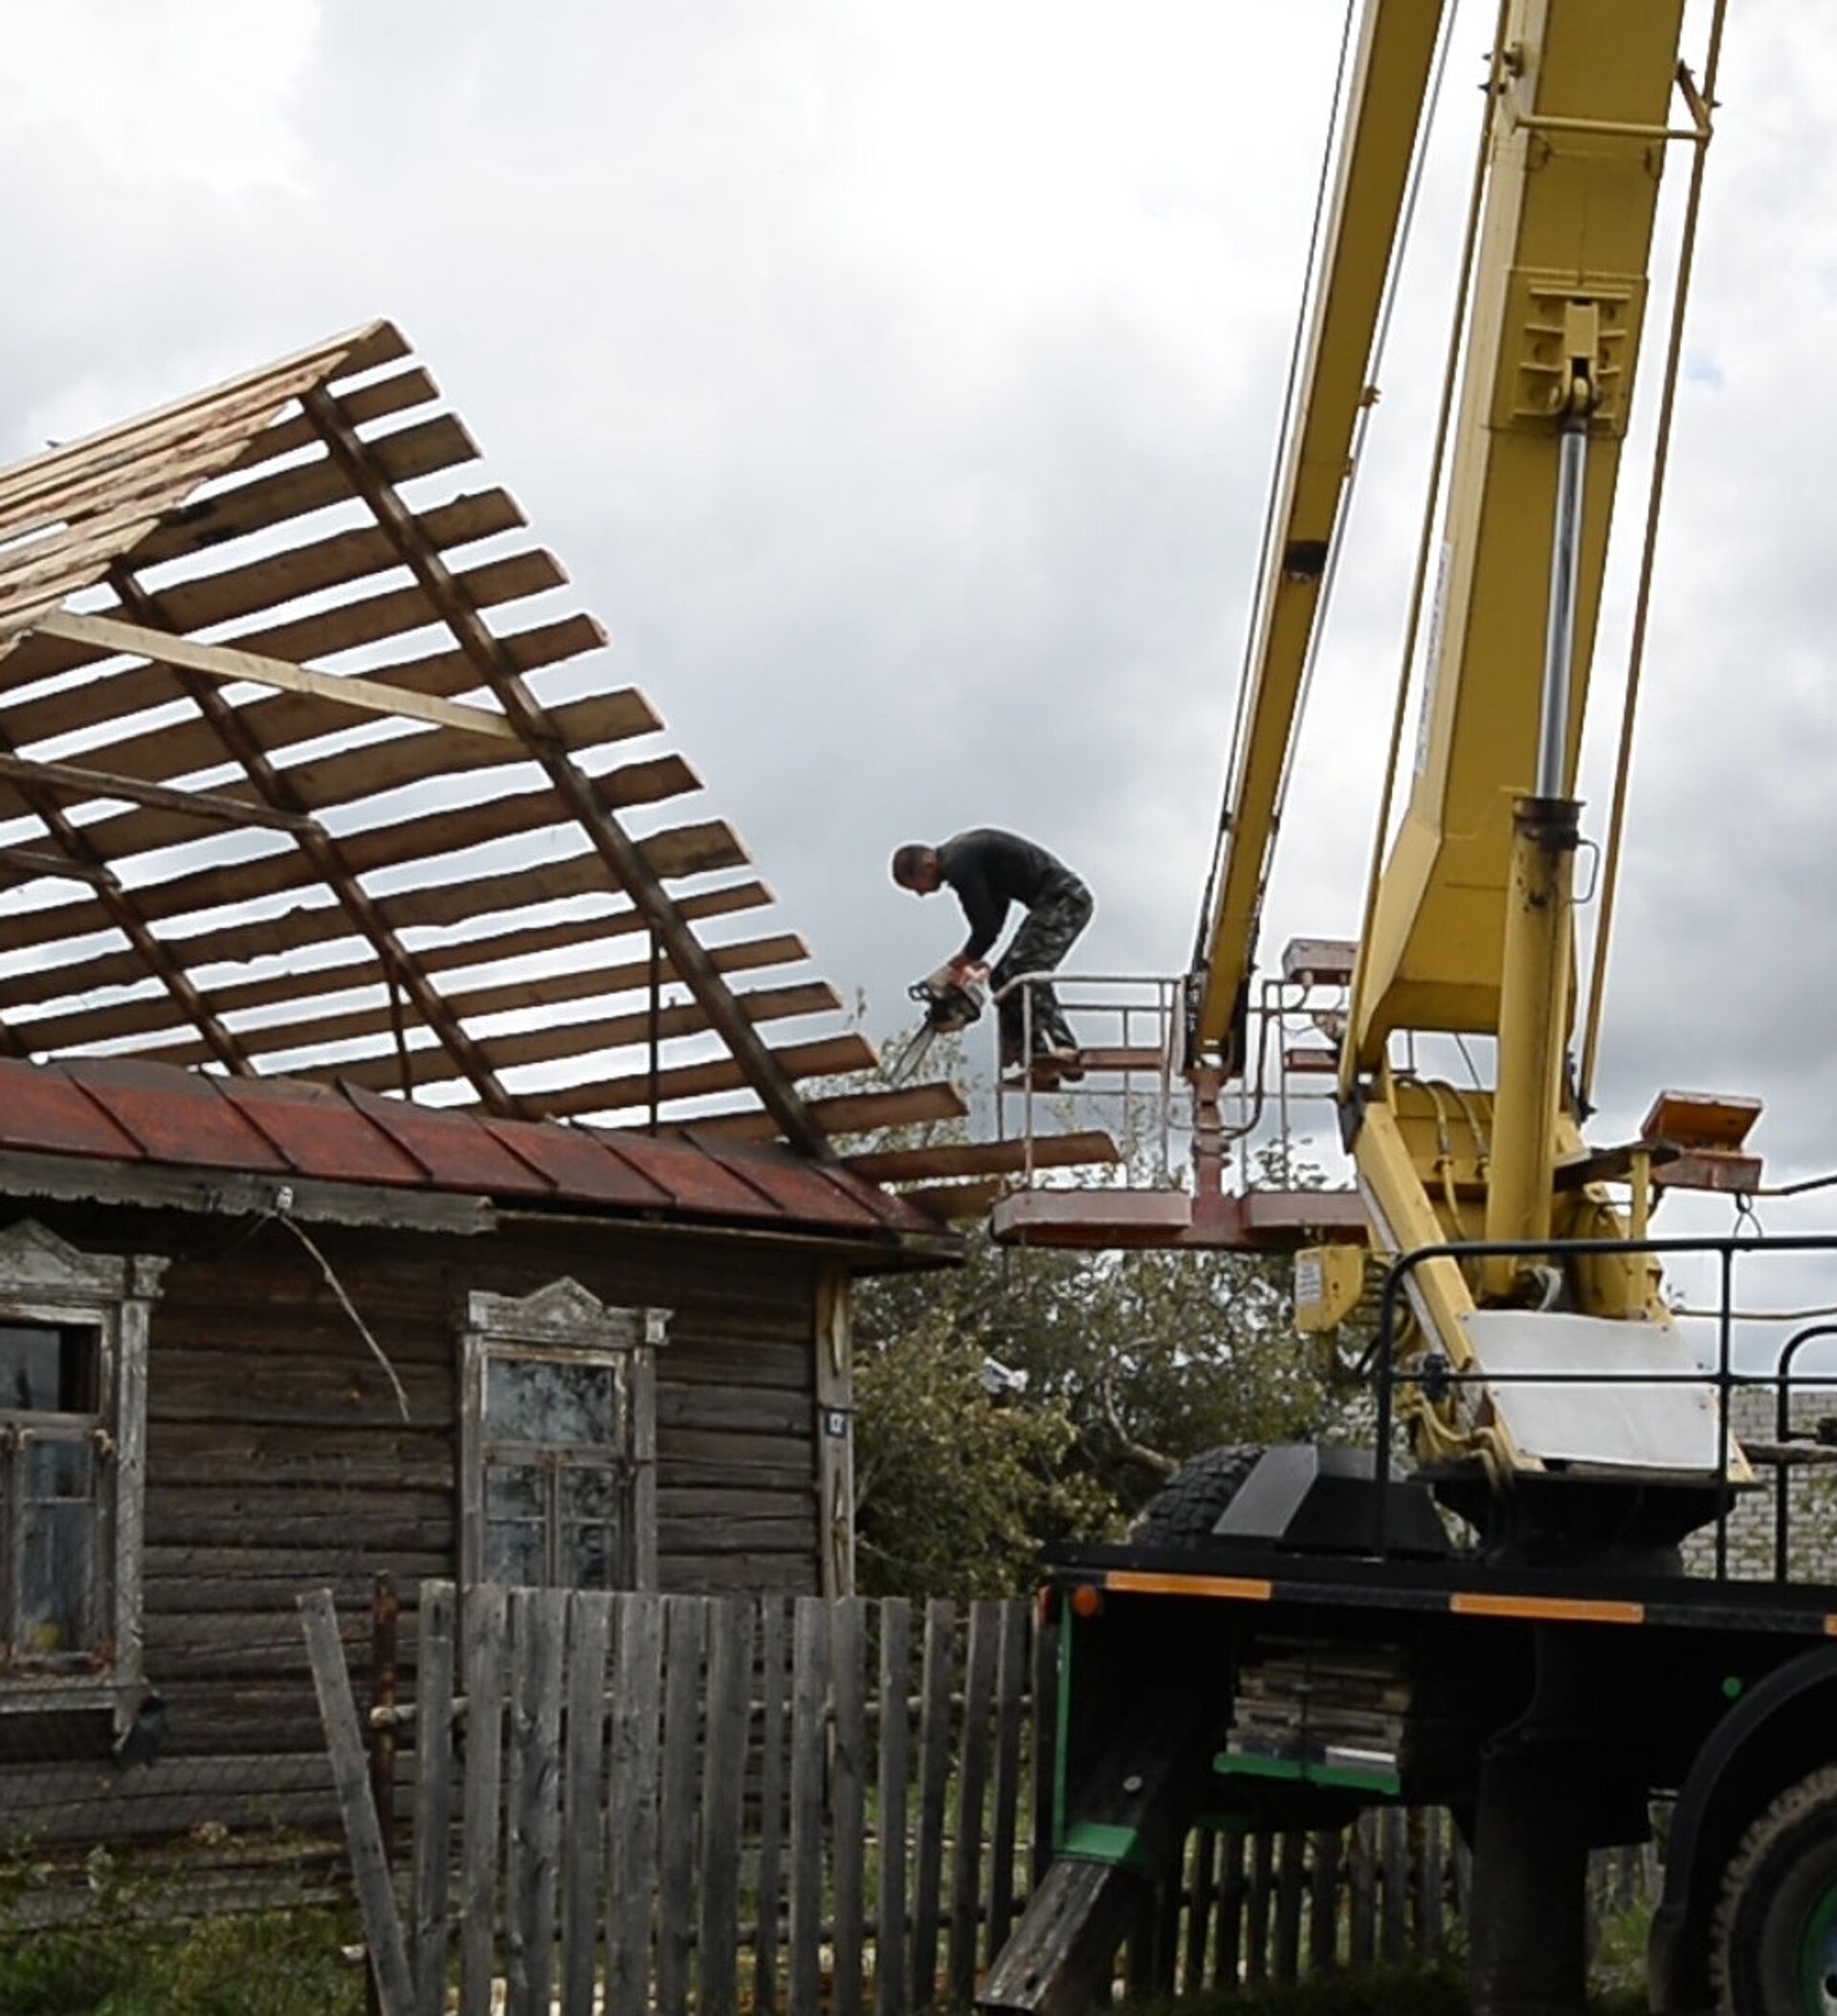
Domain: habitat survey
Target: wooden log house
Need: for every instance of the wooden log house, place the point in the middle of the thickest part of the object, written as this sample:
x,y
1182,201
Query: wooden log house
x,y
391,1174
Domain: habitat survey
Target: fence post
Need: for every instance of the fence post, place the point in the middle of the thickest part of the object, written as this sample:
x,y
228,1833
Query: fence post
x,y
384,1609
589,1627
890,1979
1362,1935
484,1635
1256,1956
934,1774
338,1711
972,1789
1046,1733
432,1903
1011,1682
772,1649
532,1804
686,1628
808,1690
1289,1881
723,1784
848,1798
632,1803
1324,1903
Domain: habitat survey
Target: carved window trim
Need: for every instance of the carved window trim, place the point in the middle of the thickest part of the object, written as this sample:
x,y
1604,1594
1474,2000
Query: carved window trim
x,y
567,1323
44,1279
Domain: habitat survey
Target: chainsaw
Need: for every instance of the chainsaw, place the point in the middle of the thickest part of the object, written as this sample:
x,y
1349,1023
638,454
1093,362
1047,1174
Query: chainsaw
x,y
952,999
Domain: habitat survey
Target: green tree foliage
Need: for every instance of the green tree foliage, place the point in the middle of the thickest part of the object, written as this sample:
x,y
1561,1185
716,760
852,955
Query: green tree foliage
x,y
1045,1395
957,1485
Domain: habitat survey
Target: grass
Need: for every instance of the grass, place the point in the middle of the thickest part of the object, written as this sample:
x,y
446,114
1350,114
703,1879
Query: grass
x,y
133,1952
268,1964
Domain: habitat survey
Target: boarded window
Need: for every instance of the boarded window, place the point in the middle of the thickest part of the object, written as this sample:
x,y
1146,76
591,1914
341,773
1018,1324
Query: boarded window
x,y
559,1439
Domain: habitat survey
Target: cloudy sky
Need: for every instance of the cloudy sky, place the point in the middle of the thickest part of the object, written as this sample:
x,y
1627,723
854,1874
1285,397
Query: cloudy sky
x,y
899,383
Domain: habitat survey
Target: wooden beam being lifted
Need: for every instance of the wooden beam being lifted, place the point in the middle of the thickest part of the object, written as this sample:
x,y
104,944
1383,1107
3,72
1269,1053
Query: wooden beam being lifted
x,y
223,661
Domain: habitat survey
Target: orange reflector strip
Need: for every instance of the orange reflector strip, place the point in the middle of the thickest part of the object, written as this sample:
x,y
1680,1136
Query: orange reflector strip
x,y
1244,1588
1561,1610
1831,1627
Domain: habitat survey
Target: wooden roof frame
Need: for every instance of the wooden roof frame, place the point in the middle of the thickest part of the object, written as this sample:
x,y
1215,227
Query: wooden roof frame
x,y
118,825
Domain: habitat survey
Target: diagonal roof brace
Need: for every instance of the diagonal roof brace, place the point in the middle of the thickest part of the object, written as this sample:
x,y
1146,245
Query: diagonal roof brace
x,y
223,661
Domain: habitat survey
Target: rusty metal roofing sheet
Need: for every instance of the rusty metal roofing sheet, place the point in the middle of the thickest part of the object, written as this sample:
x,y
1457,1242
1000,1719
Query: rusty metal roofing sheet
x,y
455,1151
175,1116
46,1111
321,1134
581,1167
798,1190
694,1180
126,1112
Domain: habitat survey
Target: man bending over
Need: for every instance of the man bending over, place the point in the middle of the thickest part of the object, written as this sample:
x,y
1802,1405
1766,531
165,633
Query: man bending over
x,y
989,870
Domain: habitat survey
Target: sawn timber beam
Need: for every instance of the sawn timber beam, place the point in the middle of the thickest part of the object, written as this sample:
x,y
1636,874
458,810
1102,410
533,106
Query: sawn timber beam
x,y
225,662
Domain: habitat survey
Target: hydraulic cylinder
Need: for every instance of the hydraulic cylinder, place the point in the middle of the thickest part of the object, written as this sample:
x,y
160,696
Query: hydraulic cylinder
x,y
1534,1019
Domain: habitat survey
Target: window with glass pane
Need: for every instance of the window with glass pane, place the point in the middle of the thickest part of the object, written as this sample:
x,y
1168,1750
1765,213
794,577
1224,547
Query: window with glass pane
x,y
51,1487
557,1472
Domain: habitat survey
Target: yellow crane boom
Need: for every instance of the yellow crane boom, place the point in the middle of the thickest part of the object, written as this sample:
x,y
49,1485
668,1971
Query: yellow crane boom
x,y
1470,921
1385,98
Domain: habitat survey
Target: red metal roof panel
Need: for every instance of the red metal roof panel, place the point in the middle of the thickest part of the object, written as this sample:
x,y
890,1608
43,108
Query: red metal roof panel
x,y
694,1180
457,1152
323,1135
800,1189
175,1115
44,1111
581,1166
888,1207
128,1111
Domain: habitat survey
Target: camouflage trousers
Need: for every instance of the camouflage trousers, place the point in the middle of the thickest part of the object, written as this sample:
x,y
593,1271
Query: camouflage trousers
x,y
1046,934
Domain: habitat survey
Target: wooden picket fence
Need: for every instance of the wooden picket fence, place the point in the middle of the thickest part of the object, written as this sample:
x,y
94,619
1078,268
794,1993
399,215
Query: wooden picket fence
x,y
635,1802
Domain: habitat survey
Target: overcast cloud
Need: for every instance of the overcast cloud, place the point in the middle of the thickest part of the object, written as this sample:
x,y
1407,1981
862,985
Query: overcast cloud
x,y
899,385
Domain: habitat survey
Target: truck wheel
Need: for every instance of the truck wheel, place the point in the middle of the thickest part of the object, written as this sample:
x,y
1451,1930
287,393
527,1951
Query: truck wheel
x,y
1184,1513
1773,1945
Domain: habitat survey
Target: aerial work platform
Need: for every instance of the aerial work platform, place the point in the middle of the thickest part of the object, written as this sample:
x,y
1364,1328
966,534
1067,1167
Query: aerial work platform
x,y
1202,1164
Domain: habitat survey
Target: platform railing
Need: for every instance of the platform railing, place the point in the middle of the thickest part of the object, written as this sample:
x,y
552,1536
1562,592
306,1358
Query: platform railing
x,y
1723,1374
1133,1033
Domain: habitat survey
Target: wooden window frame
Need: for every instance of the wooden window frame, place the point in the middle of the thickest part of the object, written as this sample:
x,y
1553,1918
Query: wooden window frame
x,y
566,1322
45,1280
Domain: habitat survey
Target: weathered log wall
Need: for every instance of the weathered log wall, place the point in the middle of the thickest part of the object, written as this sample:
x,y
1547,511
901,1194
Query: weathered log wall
x,y
277,1459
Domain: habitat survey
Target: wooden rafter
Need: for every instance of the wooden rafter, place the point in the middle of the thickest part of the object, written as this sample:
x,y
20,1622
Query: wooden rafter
x,y
125,913
774,1086
66,779
26,864
327,858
